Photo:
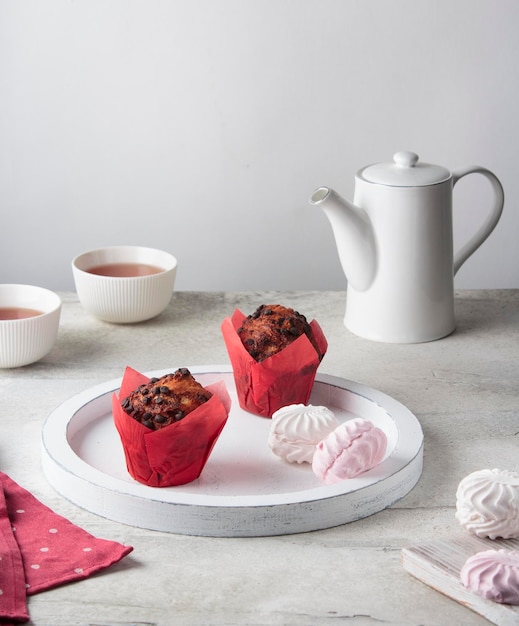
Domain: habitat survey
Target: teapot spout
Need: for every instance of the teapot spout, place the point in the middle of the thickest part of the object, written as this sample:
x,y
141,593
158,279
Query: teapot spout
x,y
354,236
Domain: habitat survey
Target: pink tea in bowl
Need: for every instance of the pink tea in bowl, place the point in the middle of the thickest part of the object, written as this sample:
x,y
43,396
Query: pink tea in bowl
x,y
17,313
125,270
29,323
124,284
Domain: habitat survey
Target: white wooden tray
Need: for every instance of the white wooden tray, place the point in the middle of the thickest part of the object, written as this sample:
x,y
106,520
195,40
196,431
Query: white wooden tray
x,y
244,490
438,563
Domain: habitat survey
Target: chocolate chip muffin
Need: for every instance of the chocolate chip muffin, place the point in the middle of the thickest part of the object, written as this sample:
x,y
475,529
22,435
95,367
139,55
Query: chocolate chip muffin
x,y
271,328
165,400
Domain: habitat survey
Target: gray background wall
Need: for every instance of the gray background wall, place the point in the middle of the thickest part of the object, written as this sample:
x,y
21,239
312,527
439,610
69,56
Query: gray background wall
x,y
203,126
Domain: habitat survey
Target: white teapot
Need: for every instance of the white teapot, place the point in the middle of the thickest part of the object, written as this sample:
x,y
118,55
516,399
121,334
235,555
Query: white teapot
x,y
395,245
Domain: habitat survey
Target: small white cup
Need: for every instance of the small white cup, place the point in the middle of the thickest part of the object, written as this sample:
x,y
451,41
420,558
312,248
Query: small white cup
x,y
29,339
124,299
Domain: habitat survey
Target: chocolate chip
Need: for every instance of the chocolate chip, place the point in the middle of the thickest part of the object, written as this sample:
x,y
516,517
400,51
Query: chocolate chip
x,y
164,389
160,419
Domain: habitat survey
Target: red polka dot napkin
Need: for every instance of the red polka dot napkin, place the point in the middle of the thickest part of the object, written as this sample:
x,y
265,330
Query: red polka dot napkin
x,y
39,550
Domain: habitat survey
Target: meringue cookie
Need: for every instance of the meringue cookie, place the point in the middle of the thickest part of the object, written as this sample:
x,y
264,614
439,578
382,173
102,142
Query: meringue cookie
x,y
494,575
487,503
297,428
354,447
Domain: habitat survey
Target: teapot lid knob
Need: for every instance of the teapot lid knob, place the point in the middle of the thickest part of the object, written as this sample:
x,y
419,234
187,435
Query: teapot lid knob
x,y
405,159
405,170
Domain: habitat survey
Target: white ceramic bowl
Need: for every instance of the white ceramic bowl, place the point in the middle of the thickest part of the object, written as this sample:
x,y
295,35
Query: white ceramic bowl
x,y
26,340
124,299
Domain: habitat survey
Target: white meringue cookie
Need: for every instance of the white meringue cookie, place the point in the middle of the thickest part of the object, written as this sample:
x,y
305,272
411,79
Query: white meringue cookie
x,y
352,448
494,575
487,503
297,428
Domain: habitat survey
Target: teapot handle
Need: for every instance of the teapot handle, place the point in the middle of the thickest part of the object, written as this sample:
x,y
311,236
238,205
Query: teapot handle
x,y
490,223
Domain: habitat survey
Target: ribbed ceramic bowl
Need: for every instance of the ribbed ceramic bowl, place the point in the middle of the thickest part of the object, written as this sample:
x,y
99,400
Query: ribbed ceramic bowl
x,y
27,340
124,299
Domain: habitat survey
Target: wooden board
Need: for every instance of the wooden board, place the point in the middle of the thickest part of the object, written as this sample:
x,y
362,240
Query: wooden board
x,y
438,564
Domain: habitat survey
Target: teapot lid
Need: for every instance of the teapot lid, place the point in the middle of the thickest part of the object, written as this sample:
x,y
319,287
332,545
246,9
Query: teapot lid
x,y
405,171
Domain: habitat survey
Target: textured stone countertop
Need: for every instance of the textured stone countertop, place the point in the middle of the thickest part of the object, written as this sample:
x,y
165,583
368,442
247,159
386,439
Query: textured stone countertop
x,y
463,389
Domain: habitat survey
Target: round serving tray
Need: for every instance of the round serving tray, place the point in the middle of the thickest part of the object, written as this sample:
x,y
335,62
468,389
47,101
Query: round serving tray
x,y
244,489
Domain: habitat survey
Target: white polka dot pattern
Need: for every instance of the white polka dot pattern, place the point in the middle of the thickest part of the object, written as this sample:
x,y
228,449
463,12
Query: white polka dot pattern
x,y
47,550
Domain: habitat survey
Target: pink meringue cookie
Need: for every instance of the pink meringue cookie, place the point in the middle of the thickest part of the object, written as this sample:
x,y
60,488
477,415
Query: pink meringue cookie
x,y
297,428
494,575
354,447
487,503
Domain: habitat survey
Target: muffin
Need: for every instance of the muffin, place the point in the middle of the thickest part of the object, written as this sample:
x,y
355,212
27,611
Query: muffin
x,y
166,400
274,353
168,426
271,328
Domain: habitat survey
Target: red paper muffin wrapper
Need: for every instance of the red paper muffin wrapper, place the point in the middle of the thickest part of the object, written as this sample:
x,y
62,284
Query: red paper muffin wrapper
x,y
282,379
175,454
